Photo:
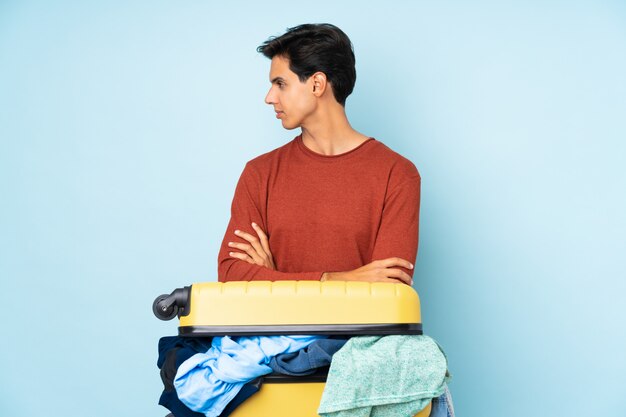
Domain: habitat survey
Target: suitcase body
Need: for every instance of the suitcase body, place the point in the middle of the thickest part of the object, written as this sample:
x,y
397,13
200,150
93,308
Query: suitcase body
x,y
292,308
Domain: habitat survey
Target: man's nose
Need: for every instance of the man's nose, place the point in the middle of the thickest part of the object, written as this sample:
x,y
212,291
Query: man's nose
x,y
269,98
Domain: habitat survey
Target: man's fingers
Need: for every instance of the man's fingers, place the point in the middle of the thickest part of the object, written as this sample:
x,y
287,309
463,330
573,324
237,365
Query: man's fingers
x,y
391,280
399,274
253,241
246,236
396,262
241,256
241,246
252,253
262,237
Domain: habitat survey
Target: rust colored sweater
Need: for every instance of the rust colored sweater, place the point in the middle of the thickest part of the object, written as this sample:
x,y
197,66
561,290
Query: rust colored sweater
x,y
324,213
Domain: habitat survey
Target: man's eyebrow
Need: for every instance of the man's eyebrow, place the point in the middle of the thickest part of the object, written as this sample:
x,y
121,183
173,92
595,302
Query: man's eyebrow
x,y
276,79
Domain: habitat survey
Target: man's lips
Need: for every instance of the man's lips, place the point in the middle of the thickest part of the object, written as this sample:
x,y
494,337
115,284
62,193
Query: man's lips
x,y
279,114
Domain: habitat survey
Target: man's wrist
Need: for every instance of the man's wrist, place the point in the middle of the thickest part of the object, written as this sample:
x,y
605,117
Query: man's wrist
x,y
332,276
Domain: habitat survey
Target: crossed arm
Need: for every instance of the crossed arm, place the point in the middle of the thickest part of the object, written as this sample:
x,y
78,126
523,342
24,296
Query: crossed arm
x,y
257,252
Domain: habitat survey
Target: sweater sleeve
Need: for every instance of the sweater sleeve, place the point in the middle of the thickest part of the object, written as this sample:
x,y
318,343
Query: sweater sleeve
x,y
399,227
249,205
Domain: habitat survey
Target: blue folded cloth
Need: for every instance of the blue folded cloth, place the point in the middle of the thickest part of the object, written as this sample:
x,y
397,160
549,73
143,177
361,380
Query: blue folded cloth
x,y
173,351
307,360
207,382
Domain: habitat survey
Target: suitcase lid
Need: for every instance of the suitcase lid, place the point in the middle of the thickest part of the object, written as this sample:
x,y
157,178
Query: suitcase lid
x,y
300,307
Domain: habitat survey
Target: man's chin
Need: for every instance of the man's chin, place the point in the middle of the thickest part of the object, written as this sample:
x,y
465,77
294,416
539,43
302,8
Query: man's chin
x,y
289,126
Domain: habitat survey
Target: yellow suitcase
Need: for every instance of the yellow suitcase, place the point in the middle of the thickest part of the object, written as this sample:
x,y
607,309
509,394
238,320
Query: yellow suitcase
x,y
296,308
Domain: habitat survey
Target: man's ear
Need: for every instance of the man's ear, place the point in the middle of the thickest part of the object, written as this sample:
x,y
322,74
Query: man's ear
x,y
319,83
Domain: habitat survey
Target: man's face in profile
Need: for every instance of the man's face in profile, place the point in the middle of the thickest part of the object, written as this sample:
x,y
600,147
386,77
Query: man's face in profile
x,y
292,99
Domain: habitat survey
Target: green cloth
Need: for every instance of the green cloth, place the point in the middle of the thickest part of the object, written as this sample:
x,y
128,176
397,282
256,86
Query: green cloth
x,y
384,376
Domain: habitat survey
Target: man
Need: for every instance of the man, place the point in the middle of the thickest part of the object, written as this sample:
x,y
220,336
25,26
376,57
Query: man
x,y
332,204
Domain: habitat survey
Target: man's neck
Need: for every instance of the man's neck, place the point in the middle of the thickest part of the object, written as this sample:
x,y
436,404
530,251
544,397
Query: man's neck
x,y
330,133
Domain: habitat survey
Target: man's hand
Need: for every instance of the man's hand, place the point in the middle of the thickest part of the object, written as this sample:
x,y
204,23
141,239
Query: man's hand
x,y
377,271
257,252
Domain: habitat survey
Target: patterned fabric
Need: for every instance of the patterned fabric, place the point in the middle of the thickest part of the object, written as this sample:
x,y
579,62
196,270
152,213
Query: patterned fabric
x,y
384,376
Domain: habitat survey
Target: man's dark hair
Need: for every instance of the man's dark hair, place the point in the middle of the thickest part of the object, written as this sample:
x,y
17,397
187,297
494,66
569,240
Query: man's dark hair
x,y
317,47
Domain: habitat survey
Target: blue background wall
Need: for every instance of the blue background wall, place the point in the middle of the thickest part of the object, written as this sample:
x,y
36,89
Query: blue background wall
x,y
124,127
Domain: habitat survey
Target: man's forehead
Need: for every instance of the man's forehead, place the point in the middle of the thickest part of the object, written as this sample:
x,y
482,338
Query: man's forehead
x,y
279,69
